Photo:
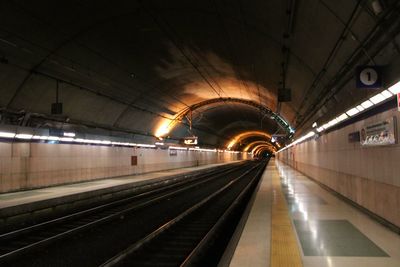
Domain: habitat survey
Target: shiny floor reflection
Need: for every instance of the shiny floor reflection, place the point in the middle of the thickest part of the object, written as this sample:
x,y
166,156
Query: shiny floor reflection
x,y
335,238
331,232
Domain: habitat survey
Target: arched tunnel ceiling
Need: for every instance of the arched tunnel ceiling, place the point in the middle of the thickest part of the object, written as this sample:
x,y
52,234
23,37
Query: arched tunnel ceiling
x,y
134,64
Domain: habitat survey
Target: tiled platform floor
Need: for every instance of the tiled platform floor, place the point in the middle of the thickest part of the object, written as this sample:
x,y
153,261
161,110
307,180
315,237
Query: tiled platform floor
x,y
328,231
333,233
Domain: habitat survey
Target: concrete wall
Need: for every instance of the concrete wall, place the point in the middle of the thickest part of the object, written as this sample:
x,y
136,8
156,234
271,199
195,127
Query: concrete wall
x,y
32,165
370,176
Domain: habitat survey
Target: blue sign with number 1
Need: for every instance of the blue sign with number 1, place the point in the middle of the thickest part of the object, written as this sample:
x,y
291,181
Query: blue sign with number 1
x,y
369,77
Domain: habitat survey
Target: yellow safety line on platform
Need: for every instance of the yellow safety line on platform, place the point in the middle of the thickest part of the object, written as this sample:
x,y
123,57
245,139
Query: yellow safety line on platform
x,y
284,248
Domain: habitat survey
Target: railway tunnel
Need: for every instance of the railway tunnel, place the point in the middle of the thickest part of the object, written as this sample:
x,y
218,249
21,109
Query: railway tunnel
x,y
199,133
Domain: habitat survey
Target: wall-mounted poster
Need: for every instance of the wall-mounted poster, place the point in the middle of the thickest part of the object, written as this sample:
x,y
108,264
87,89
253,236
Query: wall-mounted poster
x,y
379,133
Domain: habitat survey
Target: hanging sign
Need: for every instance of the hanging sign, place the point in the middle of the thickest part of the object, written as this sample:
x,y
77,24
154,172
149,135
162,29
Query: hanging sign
x,y
190,140
369,77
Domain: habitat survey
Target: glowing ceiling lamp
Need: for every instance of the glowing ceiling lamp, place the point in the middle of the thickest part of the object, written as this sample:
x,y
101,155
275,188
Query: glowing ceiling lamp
x,y
163,129
7,134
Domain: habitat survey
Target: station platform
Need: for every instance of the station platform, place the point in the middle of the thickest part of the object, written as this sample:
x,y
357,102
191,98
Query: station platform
x,y
22,202
292,221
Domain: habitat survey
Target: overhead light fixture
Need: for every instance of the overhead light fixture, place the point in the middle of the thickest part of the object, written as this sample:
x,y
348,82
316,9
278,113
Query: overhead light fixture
x,y
66,139
177,148
360,108
145,145
314,125
342,117
352,112
24,136
333,122
7,134
40,137
367,104
325,126
395,89
70,134
377,98
386,94
320,129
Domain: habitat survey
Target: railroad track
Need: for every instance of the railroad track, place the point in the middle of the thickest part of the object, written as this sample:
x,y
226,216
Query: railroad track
x,y
185,240
20,241
94,236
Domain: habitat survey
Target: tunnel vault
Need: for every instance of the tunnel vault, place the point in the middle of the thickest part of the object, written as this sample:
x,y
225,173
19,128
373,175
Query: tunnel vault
x,y
166,128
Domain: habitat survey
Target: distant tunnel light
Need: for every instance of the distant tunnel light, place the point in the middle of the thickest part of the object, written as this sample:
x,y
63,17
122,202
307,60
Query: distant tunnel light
x,y
352,112
377,98
395,88
367,104
314,125
320,129
53,138
7,134
24,136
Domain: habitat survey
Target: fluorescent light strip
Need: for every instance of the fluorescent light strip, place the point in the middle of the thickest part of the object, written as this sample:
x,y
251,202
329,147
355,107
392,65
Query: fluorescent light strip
x,y
387,94
352,112
360,108
342,117
145,145
7,135
367,104
69,138
177,148
300,139
69,134
394,89
326,126
377,98
333,122
24,136
66,139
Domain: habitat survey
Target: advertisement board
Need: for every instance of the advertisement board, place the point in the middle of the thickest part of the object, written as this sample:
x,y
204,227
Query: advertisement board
x,y
379,133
